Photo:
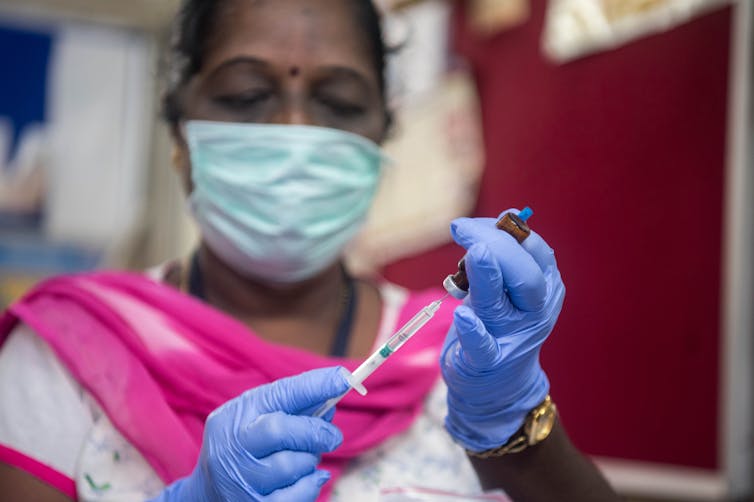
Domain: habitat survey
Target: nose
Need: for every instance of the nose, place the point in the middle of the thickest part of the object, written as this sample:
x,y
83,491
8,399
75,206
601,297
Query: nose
x,y
293,112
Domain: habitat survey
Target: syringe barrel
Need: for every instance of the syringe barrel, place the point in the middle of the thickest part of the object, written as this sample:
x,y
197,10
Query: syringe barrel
x,y
377,358
407,331
369,366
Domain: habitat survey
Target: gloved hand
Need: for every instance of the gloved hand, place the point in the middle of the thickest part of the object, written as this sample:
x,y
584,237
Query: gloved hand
x,y
261,446
490,360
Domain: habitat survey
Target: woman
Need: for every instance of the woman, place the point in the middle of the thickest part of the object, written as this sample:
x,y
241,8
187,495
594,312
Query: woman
x,y
277,108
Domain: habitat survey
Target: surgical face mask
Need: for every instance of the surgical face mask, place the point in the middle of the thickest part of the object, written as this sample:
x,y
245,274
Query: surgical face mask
x,y
280,202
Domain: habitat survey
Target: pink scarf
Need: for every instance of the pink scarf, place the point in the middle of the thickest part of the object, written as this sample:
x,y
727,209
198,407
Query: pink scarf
x,y
158,362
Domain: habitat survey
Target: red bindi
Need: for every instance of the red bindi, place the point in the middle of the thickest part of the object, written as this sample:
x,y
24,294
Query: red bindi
x,y
294,71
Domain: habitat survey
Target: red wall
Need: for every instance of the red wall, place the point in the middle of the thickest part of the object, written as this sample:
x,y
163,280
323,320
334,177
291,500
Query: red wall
x,y
621,155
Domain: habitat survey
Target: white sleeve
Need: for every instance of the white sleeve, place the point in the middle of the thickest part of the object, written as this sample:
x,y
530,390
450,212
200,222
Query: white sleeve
x,y
44,413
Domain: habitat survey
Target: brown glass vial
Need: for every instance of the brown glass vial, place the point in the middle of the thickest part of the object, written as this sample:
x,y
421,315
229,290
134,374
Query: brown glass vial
x,y
457,285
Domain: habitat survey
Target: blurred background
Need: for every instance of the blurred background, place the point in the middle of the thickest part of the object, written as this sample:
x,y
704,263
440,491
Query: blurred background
x,y
625,124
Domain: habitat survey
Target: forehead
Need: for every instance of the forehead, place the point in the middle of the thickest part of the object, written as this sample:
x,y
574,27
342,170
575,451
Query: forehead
x,y
301,33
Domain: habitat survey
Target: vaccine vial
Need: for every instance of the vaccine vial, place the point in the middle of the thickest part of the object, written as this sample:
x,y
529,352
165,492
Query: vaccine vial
x,y
457,285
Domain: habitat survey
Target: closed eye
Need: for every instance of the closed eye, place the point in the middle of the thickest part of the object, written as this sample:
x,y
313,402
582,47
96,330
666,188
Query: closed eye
x,y
341,107
243,101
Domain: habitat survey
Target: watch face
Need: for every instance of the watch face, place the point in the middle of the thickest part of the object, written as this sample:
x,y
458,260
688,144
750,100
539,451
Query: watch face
x,y
542,424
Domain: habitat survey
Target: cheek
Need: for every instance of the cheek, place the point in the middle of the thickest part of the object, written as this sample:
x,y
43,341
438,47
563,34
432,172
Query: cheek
x,y
380,123
384,126
380,128
373,126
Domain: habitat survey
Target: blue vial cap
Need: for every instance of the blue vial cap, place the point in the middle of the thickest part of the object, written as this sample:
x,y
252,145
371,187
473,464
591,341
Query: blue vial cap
x,y
525,213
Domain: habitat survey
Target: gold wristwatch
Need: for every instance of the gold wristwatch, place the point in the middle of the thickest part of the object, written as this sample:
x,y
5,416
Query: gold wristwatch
x,y
537,426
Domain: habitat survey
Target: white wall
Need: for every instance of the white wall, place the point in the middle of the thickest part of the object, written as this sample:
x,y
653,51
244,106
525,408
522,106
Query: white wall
x,y
100,129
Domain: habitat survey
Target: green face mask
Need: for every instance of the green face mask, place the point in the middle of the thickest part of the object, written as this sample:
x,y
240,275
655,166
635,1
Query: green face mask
x,y
280,202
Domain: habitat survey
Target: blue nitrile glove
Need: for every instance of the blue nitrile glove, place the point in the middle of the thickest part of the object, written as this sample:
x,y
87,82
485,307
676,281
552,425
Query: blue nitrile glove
x,y
261,446
490,360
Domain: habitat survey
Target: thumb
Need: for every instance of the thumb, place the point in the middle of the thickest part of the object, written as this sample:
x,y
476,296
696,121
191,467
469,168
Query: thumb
x,y
479,349
294,395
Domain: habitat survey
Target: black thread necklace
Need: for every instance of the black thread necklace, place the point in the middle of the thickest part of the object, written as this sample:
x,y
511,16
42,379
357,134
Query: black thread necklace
x,y
343,331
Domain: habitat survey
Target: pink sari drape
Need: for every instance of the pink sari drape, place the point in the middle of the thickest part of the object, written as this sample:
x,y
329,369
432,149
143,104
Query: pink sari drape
x,y
158,362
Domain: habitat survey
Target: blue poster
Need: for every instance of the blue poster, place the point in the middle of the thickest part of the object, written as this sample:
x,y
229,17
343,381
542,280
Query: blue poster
x,y
25,60
26,254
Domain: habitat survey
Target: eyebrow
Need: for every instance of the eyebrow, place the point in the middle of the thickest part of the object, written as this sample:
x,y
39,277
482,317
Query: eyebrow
x,y
349,73
240,60
337,70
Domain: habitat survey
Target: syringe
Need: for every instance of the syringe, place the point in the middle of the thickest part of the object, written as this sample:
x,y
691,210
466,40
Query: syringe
x,y
374,361
456,285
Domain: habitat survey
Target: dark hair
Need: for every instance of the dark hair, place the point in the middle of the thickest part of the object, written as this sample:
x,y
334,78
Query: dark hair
x,y
194,24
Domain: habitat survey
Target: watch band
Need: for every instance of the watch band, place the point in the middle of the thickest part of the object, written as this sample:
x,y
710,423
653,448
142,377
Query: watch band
x,y
536,428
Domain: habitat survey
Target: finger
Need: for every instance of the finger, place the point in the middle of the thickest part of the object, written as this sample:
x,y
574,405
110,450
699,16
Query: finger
x,y
278,431
281,469
301,392
305,489
542,253
465,231
480,349
522,277
329,415
485,280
